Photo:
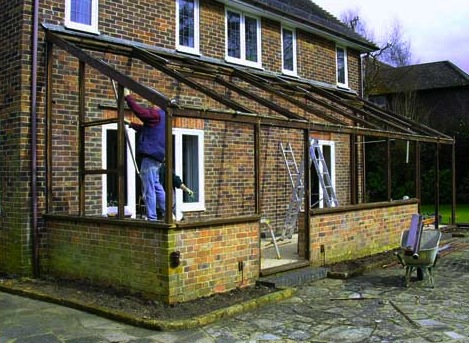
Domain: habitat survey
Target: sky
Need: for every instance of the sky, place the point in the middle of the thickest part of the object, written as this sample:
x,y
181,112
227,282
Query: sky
x,y
437,30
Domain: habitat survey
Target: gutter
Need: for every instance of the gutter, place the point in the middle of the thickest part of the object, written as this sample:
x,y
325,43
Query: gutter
x,y
34,219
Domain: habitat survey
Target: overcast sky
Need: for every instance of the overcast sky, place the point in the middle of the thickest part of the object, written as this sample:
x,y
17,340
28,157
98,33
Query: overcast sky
x,y
437,30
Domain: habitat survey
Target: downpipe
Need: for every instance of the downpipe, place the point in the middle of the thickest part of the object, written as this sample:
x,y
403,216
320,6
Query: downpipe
x,y
34,218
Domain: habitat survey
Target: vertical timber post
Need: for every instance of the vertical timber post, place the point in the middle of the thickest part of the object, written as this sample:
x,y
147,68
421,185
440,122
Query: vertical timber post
x,y
437,186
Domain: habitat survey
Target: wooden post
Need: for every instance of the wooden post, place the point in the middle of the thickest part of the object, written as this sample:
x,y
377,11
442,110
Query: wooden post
x,y
437,185
389,169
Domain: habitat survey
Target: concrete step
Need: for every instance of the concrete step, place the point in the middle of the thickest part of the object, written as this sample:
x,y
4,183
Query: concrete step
x,y
293,278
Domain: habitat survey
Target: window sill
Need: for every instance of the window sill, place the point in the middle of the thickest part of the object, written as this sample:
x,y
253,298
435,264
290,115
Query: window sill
x,y
189,51
82,28
290,73
343,86
244,63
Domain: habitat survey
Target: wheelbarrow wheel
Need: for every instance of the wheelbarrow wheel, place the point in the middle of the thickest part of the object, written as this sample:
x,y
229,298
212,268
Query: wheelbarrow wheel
x,y
420,273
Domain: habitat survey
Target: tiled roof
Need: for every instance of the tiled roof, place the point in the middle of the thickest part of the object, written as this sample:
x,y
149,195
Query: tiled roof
x,y
424,76
308,13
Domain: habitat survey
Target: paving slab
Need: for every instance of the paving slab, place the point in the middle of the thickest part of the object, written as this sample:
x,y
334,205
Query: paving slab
x,y
373,307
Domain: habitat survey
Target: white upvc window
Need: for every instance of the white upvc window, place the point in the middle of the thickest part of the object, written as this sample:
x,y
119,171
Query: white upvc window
x,y
317,193
82,15
187,26
342,69
109,181
189,165
289,51
243,38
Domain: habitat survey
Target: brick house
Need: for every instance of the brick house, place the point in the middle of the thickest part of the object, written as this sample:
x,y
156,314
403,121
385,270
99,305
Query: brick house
x,y
236,79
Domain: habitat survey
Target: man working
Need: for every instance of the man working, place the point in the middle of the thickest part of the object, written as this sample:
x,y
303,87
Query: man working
x,y
177,183
151,147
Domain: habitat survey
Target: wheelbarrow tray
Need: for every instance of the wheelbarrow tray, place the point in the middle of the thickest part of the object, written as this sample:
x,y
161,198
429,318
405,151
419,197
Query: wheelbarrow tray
x,y
424,258
427,253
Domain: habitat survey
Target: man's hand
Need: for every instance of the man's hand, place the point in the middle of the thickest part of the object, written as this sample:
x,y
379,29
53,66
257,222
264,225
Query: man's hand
x,y
126,92
190,192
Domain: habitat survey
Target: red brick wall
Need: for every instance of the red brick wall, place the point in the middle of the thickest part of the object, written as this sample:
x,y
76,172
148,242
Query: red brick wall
x,y
353,232
136,257
15,138
152,24
212,29
275,185
229,147
211,258
316,58
229,170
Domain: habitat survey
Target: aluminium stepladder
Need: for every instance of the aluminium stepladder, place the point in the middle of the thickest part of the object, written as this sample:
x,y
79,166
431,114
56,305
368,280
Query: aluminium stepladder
x,y
324,177
295,174
266,223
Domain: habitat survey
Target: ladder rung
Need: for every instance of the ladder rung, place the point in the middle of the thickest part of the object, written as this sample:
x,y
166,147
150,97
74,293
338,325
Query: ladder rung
x,y
323,175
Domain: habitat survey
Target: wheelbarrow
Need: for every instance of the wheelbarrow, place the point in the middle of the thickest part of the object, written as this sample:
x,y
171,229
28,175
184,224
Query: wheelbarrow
x,y
422,256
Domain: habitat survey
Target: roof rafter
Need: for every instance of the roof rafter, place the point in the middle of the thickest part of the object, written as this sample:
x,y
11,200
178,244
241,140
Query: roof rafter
x,y
150,94
156,62
384,124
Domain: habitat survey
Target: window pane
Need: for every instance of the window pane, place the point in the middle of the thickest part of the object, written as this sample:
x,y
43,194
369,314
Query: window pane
x,y
111,163
186,23
81,11
287,49
190,166
340,65
234,36
251,39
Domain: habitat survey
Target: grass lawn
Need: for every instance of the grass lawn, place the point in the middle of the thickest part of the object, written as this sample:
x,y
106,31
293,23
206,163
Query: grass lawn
x,y
462,212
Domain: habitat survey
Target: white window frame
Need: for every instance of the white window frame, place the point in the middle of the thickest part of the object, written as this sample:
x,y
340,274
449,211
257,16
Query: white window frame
x,y
130,206
332,167
288,71
345,83
184,48
178,134
92,28
242,60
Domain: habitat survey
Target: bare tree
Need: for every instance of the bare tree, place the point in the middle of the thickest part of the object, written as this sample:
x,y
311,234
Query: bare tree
x,y
352,19
394,50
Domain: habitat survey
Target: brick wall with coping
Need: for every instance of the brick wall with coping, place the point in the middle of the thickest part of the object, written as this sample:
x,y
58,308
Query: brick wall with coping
x,y
135,257
356,231
216,258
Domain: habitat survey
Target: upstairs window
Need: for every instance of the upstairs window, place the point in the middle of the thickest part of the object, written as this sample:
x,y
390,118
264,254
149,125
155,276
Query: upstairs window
x,y
187,26
341,62
82,15
288,51
243,39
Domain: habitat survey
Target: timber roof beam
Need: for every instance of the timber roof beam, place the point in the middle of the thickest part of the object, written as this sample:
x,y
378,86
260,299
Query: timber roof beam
x,y
365,118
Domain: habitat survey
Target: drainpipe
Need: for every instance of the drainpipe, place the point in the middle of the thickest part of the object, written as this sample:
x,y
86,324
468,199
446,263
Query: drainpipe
x,y
34,224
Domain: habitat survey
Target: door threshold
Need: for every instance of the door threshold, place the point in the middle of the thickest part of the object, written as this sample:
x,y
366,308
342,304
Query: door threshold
x,y
284,267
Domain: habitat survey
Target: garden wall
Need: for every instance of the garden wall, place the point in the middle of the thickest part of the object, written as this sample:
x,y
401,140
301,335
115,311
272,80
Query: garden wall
x,y
135,256
350,232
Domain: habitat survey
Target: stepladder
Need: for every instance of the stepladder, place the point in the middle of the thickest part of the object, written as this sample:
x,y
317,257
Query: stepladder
x,y
295,174
324,177
266,223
